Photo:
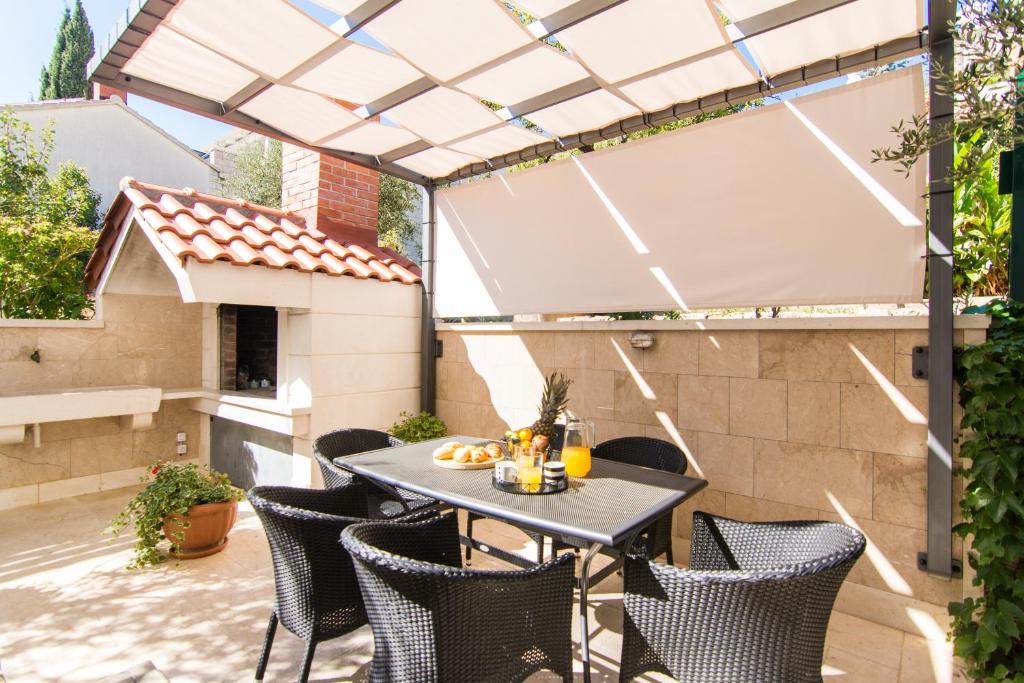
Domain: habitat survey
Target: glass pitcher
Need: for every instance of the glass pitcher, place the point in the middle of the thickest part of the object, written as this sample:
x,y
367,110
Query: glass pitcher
x,y
580,437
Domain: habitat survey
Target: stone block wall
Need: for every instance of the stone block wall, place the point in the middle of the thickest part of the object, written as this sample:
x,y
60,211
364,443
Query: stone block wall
x,y
783,423
148,340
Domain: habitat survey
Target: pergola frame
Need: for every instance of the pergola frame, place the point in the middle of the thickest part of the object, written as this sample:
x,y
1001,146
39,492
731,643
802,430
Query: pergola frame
x,y
143,16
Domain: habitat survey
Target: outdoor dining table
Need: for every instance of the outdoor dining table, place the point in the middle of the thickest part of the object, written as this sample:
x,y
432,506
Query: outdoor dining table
x,y
603,512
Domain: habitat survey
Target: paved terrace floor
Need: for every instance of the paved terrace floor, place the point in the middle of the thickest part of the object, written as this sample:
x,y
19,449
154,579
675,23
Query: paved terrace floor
x,y
70,612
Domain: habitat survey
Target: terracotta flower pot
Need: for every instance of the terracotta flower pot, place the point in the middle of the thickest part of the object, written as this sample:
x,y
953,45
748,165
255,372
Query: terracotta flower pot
x,y
207,529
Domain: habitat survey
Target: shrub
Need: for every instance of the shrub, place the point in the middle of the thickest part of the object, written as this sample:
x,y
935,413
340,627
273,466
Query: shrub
x,y
422,427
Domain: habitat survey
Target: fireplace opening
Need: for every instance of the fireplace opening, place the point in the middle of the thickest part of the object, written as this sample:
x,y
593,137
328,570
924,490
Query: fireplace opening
x,y
248,336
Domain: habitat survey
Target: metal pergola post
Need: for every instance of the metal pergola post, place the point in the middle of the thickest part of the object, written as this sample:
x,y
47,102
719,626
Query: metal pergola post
x,y
428,355
938,559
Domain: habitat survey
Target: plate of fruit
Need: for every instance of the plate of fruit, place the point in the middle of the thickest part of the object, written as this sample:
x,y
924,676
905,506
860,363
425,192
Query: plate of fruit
x,y
459,456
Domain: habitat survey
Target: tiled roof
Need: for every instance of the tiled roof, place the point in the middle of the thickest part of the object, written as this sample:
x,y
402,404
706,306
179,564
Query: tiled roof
x,y
207,228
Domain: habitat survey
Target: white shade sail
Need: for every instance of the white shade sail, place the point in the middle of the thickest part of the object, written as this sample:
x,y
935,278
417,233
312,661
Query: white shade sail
x,y
371,138
454,75
322,118
658,31
357,74
845,28
779,205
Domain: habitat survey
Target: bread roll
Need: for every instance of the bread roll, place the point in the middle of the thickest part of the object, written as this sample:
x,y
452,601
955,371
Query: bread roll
x,y
480,455
452,445
463,454
444,452
493,450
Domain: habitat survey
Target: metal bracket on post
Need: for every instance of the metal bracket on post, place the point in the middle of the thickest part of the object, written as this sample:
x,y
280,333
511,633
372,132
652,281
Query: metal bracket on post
x,y
919,362
956,567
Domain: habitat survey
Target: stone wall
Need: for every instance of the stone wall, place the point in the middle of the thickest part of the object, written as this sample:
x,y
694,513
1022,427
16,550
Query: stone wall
x,y
783,423
147,340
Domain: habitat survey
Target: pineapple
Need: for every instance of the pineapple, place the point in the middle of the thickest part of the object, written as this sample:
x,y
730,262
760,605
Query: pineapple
x,y
552,403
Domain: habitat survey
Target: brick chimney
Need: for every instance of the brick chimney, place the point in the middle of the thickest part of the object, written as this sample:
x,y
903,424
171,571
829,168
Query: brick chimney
x,y
338,198
105,92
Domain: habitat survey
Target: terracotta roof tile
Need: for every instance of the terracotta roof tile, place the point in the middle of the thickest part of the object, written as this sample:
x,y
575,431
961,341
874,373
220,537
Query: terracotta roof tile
x,y
208,228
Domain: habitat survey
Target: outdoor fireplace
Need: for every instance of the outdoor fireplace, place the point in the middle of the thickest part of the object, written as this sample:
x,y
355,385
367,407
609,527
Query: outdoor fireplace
x,y
248,348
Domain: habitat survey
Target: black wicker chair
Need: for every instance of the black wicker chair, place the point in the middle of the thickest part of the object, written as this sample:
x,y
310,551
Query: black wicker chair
x,y
754,604
655,454
318,597
556,445
434,621
342,442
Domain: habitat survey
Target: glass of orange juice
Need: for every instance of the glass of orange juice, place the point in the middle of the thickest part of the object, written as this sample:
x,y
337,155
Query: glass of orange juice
x,y
579,438
529,463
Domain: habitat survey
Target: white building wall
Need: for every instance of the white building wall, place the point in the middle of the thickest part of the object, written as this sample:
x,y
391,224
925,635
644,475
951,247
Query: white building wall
x,y
111,142
364,363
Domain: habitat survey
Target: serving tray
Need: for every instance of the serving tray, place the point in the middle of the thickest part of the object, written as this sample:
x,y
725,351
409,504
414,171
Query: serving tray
x,y
530,489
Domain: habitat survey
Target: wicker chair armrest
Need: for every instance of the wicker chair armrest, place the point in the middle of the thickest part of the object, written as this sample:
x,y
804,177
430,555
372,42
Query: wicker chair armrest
x,y
344,505
427,546
723,543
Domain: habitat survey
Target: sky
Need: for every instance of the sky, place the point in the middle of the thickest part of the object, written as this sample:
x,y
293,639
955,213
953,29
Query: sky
x,y
27,30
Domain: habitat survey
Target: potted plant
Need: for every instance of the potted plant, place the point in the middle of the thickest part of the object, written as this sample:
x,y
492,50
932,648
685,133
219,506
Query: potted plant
x,y
191,507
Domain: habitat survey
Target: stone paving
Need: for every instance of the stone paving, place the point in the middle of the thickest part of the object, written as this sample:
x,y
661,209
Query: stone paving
x,y
70,612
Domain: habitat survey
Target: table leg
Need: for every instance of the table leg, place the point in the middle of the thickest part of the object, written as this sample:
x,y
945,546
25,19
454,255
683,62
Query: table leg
x,y
392,491
592,552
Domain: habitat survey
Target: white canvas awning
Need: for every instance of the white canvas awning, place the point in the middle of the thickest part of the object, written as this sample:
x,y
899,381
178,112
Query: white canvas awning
x,y
779,205
465,86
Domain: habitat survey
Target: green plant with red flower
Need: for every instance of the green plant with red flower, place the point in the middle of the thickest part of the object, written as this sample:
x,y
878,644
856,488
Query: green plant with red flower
x,y
170,488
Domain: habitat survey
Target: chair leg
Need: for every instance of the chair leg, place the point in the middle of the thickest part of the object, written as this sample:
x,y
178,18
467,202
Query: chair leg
x,y
307,661
668,535
469,535
268,641
540,549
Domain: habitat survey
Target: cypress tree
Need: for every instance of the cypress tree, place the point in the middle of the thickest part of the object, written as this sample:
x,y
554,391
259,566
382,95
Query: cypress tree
x,y
65,76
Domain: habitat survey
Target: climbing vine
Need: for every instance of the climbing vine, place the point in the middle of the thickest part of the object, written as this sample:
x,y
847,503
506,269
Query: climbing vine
x,y
988,631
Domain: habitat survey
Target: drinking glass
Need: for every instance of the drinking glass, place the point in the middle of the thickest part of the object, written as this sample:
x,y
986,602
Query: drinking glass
x,y
529,464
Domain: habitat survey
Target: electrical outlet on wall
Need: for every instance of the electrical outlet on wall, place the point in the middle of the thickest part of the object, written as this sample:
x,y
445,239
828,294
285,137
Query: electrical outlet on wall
x,y
182,437
182,449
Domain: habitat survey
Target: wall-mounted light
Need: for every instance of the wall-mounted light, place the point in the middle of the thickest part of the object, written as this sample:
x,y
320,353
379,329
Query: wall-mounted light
x,y
34,356
641,340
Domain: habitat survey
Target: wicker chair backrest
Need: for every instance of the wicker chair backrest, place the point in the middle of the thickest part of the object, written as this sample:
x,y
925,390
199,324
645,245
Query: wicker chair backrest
x,y
434,621
342,442
643,451
317,593
753,605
